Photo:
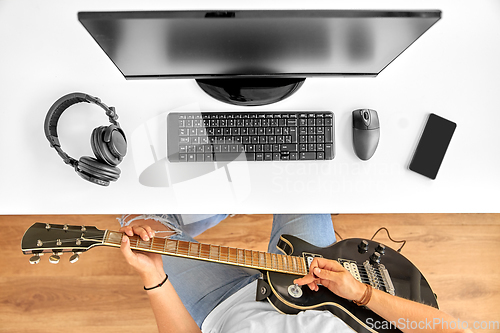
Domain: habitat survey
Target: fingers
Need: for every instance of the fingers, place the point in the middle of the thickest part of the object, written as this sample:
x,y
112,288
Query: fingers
x,y
305,280
324,274
126,251
320,268
144,231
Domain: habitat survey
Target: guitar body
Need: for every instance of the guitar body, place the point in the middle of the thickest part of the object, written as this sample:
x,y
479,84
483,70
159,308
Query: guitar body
x,y
407,281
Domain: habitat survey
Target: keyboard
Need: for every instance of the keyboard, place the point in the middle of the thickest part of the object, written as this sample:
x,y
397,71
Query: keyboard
x,y
250,136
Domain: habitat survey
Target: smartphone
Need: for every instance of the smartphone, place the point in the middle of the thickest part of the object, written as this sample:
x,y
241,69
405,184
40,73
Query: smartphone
x,y
432,146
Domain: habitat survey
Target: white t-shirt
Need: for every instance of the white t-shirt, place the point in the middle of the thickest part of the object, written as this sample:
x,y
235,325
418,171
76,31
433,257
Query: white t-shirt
x,y
242,313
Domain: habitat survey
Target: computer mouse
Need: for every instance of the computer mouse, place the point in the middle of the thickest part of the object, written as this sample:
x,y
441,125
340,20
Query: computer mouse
x,y
365,132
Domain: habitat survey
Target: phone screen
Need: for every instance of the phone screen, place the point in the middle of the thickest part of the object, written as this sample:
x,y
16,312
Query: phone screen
x,y
432,146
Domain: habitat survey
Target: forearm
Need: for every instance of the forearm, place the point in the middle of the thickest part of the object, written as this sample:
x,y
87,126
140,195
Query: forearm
x,y
411,316
170,313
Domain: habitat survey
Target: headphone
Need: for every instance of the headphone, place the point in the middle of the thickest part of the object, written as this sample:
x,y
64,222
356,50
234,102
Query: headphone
x,y
108,142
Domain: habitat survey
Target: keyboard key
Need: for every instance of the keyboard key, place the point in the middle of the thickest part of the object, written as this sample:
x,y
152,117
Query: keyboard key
x,y
227,157
250,156
307,155
289,147
328,135
329,151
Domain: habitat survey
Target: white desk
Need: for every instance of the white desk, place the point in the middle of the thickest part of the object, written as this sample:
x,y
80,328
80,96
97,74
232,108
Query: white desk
x,y
452,70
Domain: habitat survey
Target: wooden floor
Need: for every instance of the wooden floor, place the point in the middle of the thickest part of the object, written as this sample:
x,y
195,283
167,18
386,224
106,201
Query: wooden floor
x,y
456,252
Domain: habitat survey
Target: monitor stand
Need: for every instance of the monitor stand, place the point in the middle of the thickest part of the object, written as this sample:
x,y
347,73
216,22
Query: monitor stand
x,y
250,91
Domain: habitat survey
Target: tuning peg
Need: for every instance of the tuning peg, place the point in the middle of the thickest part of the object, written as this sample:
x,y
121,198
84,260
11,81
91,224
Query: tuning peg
x,y
65,227
47,226
54,259
35,259
74,258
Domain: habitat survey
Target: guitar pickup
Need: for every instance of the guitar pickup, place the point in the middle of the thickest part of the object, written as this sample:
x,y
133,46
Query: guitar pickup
x,y
309,257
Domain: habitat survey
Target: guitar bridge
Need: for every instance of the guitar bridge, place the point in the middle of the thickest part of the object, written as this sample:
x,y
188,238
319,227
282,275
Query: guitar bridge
x,y
379,277
376,275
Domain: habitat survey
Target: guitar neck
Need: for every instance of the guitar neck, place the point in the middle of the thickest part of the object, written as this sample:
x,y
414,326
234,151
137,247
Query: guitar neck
x,y
214,253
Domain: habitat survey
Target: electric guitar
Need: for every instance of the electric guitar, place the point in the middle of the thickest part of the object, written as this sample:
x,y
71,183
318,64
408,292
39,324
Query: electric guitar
x,y
368,261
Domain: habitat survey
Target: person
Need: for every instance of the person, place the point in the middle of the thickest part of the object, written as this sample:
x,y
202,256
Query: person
x,y
192,295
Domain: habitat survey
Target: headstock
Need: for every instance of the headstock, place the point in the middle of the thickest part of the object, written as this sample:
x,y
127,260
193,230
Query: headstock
x,y
43,238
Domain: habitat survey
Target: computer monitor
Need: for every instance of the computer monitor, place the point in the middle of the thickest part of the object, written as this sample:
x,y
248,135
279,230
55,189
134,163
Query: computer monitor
x,y
255,57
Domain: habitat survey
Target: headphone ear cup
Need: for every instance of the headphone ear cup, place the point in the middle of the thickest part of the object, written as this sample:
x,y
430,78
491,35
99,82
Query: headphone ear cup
x,y
100,148
115,140
96,172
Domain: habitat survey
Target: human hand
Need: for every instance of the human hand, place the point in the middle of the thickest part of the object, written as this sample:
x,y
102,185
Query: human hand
x,y
148,265
333,276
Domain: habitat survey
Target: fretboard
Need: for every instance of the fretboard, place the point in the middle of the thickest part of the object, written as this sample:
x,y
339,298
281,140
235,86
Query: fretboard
x,y
214,253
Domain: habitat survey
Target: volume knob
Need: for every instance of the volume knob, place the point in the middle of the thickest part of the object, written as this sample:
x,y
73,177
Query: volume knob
x,y
375,258
380,249
363,246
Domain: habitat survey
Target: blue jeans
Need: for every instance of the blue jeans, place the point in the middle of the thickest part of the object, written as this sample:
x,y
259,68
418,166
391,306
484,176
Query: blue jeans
x,y
203,285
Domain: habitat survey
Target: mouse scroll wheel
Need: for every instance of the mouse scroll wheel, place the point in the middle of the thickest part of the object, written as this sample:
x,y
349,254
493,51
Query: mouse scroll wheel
x,y
366,115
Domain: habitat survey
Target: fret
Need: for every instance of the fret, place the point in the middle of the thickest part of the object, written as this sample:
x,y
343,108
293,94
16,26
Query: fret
x,y
274,262
283,260
199,251
193,249
214,252
241,256
182,248
303,266
205,251
171,246
224,253
248,257
262,259
279,263
114,237
233,255
209,251
295,266
268,260
255,258
290,264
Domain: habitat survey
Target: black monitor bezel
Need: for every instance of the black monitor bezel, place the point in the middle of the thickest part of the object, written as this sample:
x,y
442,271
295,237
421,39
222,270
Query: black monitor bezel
x,y
202,14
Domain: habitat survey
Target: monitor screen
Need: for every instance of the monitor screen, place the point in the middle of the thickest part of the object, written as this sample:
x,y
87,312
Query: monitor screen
x,y
282,43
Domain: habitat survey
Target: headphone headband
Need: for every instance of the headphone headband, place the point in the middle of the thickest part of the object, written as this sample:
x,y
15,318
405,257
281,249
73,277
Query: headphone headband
x,y
57,109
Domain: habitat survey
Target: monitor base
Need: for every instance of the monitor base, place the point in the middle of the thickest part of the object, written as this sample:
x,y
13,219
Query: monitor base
x,y
250,91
